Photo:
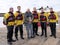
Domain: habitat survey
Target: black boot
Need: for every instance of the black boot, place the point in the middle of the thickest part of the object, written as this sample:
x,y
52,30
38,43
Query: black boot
x,y
16,38
41,35
22,38
51,35
54,36
9,43
13,40
37,34
45,35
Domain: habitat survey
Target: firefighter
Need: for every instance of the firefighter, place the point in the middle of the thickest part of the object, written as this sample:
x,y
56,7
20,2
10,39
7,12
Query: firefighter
x,y
9,20
53,18
43,21
19,20
35,21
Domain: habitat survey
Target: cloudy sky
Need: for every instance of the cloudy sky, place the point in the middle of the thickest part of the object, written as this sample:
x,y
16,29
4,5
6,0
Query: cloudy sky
x,y
6,4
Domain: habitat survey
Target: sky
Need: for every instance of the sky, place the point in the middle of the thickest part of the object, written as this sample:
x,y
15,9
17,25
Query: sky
x,y
6,4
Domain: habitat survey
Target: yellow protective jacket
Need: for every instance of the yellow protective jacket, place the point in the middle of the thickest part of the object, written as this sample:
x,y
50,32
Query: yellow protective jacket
x,y
18,22
55,20
45,14
36,20
9,23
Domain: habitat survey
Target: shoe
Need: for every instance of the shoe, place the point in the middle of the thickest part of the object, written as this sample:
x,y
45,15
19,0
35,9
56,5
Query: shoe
x,y
45,36
13,40
54,36
51,35
16,38
32,36
37,34
41,35
29,37
10,43
22,38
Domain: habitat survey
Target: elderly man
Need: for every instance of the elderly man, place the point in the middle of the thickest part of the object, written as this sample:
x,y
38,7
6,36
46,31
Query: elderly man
x,y
28,22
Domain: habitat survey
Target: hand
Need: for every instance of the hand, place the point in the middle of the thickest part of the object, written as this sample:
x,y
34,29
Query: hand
x,y
57,21
30,21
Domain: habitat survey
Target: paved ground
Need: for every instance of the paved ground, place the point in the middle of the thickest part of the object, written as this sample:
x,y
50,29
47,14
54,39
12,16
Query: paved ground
x,y
36,41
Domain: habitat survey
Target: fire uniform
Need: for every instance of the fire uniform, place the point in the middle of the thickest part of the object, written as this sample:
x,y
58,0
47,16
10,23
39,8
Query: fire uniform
x,y
19,24
43,21
53,18
35,21
9,21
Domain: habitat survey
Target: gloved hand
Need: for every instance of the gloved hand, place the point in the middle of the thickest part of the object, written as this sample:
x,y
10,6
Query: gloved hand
x,y
57,21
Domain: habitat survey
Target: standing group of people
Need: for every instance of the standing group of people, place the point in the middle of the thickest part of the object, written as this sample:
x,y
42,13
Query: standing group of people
x,y
30,20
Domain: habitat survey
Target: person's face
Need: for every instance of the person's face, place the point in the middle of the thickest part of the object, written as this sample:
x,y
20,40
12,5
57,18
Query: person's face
x,y
34,9
11,10
28,10
42,14
19,8
42,10
51,9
